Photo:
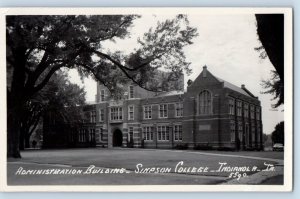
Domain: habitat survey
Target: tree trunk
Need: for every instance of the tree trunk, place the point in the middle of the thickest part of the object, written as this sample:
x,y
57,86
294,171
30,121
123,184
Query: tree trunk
x,y
15,103
22,137
27,138
13,134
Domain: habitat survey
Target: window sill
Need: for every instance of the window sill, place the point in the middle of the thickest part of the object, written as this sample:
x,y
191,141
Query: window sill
x,y
116,121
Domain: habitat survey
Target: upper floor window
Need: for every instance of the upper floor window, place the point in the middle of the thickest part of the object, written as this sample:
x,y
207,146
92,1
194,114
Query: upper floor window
x,y
101,115
205,102
131,112
116,113
148,133
102,95
178,132
163,110
239,108
258,113
93,116
148,112
246,110
178,109
131,92
252,112
231,106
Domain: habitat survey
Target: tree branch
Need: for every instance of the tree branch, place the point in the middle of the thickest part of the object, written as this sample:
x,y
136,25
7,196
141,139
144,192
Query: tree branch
x,y
34,125
100,54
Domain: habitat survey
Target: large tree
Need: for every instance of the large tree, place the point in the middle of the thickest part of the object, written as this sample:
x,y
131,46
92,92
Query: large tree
x,y
38,46
270,30
59,96
278,133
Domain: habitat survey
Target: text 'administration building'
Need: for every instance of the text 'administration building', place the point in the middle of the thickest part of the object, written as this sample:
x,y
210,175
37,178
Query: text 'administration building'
x,y
212,113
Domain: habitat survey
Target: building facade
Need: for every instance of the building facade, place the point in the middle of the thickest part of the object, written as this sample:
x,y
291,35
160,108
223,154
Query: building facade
x,y
210,114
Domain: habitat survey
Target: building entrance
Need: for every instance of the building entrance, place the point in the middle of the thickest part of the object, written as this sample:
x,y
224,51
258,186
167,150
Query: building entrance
x,y
117,138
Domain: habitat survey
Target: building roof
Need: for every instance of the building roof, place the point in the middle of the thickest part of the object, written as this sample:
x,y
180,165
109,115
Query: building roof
x,y
233,87
164,94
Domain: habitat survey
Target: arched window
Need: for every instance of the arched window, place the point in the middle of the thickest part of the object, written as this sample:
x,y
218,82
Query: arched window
x,y
205,102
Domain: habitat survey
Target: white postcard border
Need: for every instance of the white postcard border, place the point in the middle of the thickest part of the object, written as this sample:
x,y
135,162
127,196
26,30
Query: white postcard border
x,y
288,104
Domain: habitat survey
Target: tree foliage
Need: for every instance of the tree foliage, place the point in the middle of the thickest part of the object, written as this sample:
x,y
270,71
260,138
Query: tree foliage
x,y
274,87
278,133
59,96
270,30
38,46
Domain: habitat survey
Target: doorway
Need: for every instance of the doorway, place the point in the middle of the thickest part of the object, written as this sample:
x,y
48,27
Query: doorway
x,y
117,138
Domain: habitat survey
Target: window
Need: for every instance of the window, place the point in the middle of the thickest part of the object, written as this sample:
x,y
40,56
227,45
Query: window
x,y
92,135
81,135
102,95
101,134
246,110
231,106
178,133
148,112
240,130
131,92
253,132
257,113
247,140
101,115
252,112
130,134
239,108
178,109
205,106
93,116
258,132
163,110
116,113
232,130
148,133
163,133
131,112
72,137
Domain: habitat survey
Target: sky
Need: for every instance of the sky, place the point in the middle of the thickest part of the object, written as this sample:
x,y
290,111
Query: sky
x,y
226,45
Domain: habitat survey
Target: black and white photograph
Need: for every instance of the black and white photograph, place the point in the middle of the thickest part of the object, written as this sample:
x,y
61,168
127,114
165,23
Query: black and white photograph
x,y
147,99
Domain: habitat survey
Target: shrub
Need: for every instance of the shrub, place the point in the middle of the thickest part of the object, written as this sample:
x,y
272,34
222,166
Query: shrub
x,y
203,147
181,146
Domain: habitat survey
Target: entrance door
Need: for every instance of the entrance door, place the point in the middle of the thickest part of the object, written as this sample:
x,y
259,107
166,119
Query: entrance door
x,y
117,138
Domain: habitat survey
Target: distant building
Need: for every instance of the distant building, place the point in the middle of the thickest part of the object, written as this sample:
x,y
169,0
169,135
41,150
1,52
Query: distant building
x,y
211,114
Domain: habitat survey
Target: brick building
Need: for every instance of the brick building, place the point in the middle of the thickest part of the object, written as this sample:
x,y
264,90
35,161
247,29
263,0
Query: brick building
x,y
212,113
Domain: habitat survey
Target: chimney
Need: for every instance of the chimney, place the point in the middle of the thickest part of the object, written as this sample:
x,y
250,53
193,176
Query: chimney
x,y
204,70
243,86
189,82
